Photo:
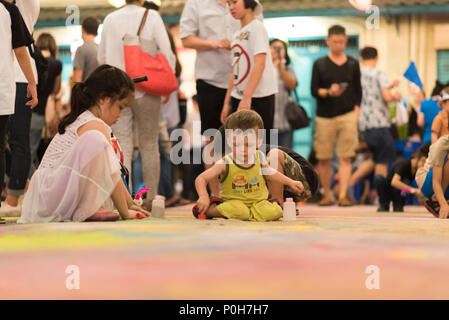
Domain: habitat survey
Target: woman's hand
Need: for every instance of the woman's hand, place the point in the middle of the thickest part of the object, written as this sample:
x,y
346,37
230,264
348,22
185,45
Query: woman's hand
x,y
245,104
203,204
225,112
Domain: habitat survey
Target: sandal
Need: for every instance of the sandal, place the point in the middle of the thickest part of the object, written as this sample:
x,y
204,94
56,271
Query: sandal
x,y
178,203
433,207
203,216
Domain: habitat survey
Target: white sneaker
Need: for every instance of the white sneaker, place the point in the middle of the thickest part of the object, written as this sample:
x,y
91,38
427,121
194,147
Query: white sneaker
x,y
9,211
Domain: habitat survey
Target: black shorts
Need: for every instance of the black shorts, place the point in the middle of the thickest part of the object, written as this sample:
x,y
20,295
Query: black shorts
x,y
263,106
381,144
210,104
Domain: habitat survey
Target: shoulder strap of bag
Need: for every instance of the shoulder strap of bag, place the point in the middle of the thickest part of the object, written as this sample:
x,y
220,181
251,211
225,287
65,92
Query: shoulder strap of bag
x,y
142,23
295,95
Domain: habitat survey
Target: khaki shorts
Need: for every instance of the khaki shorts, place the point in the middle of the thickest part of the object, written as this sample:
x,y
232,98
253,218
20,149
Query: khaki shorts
x,y
340,130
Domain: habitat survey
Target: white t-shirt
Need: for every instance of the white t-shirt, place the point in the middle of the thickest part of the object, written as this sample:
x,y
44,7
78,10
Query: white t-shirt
x,y
13,35
246,43
209,20
29,9
7,83
127,21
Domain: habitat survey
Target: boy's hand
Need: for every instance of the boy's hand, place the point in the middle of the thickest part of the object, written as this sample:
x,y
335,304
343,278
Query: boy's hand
x,y
203,204
245,104
32,92
225,113
444,212
297,186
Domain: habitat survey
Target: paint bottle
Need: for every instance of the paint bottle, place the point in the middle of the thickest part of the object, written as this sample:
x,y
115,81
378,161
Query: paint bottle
x,y
158,207
289,210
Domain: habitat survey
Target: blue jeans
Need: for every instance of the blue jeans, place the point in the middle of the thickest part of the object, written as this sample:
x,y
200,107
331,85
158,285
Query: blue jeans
x,y
19,142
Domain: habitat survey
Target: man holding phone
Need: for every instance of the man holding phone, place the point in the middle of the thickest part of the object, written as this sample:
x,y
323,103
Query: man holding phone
x,y
336,86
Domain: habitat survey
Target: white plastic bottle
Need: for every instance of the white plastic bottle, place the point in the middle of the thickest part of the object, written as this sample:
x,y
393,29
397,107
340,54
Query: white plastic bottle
x,y
158,207
289,210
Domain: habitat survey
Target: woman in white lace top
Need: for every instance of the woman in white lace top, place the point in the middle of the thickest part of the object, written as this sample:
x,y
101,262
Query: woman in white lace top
x,y
79,176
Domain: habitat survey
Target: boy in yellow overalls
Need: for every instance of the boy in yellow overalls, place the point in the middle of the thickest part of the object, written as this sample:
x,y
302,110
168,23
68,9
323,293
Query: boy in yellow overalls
x,y
242,174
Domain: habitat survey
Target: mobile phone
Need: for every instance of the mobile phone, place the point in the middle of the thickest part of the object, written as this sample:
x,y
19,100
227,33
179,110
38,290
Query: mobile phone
x,y
343,85
278,51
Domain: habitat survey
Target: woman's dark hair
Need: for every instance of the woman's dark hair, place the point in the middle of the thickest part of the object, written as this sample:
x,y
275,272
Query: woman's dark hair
x,y
250,4
47,42
151,5
105,82
178,68
287,57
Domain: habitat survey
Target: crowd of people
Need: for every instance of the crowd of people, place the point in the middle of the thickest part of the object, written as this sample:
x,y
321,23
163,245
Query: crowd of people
x,y
113,138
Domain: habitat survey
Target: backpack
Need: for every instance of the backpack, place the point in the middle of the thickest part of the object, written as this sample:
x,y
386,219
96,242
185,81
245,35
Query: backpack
x,y
41,63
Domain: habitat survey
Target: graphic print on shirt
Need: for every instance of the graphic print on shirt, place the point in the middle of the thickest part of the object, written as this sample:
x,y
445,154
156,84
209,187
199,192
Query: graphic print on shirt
x,y
241,185
241,63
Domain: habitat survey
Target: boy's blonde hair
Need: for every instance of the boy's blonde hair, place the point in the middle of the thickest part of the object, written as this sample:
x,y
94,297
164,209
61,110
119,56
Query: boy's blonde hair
x,y
244,120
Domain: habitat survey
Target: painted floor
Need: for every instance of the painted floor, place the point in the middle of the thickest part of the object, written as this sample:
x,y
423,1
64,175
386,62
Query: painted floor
x,y
325,254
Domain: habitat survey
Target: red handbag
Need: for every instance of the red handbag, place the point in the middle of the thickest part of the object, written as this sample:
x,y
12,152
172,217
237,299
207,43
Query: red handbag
x,y
139,62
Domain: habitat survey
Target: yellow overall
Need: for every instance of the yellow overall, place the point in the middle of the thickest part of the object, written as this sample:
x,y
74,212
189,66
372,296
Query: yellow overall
x,y
245,193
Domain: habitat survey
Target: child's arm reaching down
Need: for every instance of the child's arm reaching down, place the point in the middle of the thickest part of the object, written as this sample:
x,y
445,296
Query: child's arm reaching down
x,y
256,75
202,180
273,175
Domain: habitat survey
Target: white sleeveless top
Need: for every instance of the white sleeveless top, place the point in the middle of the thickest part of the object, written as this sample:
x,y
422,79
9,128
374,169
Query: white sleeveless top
x,y
62,143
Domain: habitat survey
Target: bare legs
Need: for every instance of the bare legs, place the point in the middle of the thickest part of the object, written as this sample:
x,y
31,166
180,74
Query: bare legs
x,y
324,171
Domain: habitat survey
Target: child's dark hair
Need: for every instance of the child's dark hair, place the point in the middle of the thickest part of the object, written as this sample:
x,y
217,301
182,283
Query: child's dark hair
x,y
90,25
368,53
250,4
439,86
287,57
104,82
336,30
423,151
244,120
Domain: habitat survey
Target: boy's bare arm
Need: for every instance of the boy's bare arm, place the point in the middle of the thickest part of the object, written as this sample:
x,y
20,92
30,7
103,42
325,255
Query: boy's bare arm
x,y
273,175
256,75
201,182
227,102
25,64
397,183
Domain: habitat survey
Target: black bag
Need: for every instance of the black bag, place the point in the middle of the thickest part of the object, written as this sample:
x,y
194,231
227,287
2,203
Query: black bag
x,y
296,115
41,64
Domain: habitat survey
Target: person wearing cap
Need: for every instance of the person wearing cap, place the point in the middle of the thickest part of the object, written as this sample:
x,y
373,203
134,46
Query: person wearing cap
x,y
440,125
207,26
